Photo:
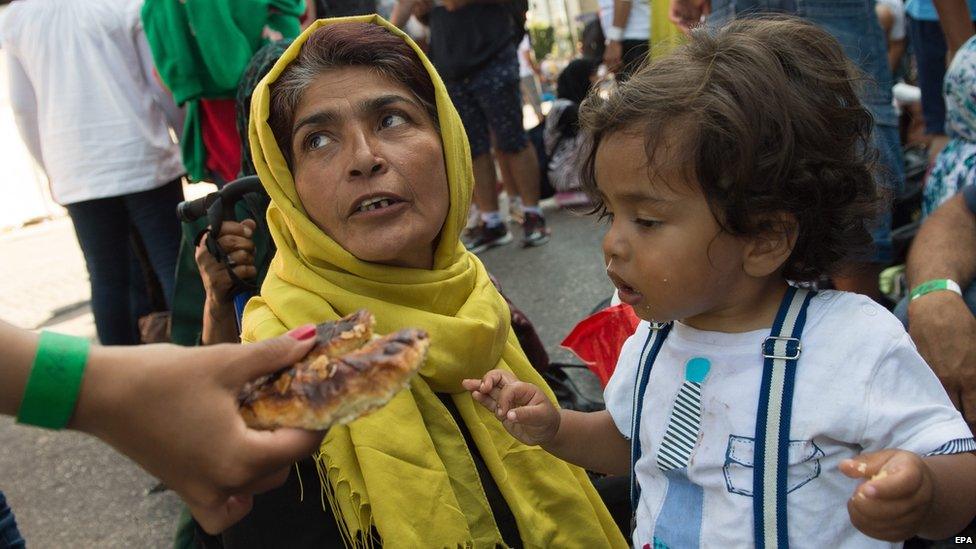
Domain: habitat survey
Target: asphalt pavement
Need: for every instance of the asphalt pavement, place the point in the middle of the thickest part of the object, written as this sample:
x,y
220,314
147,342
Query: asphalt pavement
x,y
70,490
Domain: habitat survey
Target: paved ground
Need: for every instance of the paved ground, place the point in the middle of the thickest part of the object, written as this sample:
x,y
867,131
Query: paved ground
x,y
69,490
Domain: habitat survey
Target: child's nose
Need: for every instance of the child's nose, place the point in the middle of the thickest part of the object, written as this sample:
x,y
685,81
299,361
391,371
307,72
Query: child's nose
x,y
613,245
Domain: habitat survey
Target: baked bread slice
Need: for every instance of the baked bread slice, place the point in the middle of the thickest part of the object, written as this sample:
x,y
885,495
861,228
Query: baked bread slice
x,y
341,379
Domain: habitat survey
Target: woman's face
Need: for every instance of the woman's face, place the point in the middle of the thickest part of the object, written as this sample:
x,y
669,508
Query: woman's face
x,y
369,167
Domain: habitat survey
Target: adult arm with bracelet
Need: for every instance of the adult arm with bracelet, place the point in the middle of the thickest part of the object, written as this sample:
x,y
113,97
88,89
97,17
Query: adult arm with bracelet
x,y
940,322
172,410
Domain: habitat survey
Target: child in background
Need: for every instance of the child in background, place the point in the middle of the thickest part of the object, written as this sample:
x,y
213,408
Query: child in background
x,y
562,136
725,170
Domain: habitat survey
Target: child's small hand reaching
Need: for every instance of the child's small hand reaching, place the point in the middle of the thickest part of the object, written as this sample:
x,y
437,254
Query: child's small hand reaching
x,y
523,408
894,501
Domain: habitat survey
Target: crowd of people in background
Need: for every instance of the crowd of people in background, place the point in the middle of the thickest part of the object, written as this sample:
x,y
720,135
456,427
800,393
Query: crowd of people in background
x,y
123,102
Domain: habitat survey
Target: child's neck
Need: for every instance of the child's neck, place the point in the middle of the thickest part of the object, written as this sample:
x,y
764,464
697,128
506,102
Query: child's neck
x,y
752,306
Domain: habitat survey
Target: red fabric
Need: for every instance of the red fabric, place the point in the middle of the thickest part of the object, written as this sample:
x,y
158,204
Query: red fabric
x,y
598,338
220,138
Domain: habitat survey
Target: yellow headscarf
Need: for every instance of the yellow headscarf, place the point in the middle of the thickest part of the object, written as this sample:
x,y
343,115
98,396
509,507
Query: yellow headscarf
x,y
406,469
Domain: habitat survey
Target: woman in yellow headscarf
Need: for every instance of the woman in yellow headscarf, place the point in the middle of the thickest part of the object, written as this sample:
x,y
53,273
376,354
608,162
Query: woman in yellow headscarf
x,y
369,173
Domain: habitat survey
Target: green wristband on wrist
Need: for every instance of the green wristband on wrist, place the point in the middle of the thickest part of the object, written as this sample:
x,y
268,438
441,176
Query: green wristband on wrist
x,y
54,381
935,285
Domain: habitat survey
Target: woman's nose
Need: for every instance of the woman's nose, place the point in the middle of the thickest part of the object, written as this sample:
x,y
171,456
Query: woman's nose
x,y
365,161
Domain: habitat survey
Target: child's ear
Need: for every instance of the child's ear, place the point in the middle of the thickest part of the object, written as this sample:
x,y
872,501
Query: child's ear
x,y
767,251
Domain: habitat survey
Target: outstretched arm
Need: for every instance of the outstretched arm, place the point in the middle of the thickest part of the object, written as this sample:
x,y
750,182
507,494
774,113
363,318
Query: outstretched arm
x,y
590,440
173,410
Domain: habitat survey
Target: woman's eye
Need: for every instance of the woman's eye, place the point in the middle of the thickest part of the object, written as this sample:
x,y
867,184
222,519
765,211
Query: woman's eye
x,y
317,141
606,216
392,120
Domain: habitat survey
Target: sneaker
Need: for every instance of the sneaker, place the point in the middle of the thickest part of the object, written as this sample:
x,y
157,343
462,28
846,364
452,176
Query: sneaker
x,y
484,238
536,232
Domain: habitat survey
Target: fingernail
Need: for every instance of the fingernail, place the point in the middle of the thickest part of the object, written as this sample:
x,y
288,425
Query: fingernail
x,y
247,231
303,332
870,491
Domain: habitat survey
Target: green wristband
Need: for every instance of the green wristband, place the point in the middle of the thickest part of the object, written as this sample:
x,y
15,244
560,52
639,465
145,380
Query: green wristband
x,y
54,382
935,285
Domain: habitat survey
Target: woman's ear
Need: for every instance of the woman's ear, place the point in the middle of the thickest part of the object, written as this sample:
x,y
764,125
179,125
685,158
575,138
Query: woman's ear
x,y
767,251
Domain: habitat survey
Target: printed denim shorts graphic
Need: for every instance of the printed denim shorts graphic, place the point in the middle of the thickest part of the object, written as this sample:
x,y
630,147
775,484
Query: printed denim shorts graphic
x,y
804,460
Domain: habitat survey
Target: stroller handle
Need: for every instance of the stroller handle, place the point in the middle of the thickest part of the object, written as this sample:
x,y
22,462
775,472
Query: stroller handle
x,y
191,210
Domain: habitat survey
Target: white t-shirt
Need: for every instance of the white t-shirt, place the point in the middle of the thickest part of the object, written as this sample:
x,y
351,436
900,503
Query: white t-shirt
x,y
85,99
638,22
860,387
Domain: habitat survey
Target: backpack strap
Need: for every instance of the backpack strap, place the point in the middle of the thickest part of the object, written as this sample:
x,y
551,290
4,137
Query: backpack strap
x,y
781,351
652,346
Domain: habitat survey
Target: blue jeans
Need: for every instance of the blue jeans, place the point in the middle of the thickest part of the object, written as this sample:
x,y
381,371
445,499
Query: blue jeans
x,y
929,46
968,294
10,537
103,228
855,25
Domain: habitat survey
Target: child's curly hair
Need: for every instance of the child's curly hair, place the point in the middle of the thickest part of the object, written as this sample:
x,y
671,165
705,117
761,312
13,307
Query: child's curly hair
x,y
767,118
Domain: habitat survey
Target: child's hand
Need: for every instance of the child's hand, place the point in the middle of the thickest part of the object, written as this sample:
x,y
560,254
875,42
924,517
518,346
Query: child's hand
x,y
523,408
892,504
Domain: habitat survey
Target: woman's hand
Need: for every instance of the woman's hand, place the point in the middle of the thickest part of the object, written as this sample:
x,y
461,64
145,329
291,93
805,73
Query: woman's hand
x,y
523,408
173,410
235,239
894,503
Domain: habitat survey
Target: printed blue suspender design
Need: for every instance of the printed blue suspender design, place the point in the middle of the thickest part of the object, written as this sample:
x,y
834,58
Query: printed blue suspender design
x,y
780,353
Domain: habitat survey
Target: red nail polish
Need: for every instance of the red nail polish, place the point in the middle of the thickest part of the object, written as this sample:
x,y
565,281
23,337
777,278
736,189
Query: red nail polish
x,y
303,332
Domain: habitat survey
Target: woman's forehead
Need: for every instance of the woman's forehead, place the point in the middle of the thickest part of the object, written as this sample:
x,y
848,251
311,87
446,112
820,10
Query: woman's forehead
x,y
350,86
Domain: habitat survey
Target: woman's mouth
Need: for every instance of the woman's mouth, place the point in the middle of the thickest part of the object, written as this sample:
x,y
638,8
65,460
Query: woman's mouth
x,y
376,203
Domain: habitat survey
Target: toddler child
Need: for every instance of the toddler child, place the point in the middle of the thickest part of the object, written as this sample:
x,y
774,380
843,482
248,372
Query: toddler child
x,y
750,411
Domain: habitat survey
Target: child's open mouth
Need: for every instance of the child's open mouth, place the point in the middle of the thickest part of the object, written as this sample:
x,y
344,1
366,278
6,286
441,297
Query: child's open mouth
x,y
627,293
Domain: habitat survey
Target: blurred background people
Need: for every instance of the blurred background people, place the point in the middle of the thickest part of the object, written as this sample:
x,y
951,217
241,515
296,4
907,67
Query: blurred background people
x,y
201,48
473,46
93,117
627,28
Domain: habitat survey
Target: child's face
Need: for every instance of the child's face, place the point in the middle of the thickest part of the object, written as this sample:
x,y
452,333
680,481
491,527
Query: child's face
x,y
666,253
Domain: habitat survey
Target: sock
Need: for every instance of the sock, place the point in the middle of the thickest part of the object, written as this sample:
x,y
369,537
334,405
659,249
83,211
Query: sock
x,y
532,209
491,219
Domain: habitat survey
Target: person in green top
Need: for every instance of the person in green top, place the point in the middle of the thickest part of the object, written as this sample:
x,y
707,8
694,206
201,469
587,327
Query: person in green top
x,y
201,49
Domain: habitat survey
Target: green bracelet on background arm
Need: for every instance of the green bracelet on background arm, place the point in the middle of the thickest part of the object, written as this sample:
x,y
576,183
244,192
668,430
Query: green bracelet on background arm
x,y
935,285
55,381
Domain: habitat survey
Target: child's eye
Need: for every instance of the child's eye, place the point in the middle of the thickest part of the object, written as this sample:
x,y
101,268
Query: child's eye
x,y
392,120
647,223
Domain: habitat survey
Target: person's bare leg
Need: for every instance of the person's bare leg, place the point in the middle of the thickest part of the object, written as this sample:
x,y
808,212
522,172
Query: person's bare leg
x,y
485,196
861,278
508,177
524,167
